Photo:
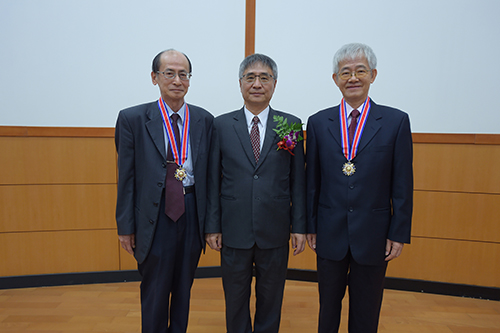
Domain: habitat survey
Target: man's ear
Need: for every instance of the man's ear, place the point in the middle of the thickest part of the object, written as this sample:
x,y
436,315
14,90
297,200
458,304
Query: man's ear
x,y
374,75
335,78
153,78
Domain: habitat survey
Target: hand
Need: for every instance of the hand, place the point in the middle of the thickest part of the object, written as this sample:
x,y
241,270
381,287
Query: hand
x,y
298,243
128,242
393,250
311,240
214,241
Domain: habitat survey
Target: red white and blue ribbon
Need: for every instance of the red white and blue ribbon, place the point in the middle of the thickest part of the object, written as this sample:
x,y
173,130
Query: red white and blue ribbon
x,y
179,157
350,152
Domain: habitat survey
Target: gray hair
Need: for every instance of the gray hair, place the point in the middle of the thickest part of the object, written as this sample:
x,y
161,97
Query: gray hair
x,y
352,51
258,58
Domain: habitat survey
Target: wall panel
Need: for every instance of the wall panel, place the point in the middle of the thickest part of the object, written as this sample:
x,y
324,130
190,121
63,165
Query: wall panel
x,y
127,261
210,258
57,207
56,160
466,216
451,261
58,192
57,198
32,253
455,233
305,260
457,167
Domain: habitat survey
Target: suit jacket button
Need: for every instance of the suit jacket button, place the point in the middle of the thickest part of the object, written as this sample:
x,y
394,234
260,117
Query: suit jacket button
x,y
160,184
256,177
351,209
351,186
151,221
164,165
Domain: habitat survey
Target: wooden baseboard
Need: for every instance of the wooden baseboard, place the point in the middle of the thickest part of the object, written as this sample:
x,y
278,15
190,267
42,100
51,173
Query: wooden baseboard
x,y
430,287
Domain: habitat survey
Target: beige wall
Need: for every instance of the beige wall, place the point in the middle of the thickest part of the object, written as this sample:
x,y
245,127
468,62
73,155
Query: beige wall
x,y
456,219
58,192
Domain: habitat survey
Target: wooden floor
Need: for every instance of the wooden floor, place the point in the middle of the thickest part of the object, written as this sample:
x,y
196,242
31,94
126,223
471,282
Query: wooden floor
x,y
115,308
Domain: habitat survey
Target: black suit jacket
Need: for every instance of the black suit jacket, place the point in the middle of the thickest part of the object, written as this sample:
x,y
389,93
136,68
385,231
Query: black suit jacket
x,y
254,203
142,158
360,211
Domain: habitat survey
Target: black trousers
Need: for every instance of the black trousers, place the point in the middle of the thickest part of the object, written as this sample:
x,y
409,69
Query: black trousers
x,y
168,271
366,287
270,275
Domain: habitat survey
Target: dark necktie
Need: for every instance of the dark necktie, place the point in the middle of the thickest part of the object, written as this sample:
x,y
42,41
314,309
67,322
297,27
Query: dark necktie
x,y
255,138
352,126
174,192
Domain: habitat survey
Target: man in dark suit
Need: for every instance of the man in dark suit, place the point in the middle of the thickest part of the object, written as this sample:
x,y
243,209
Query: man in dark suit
x,y
359,193
256,198
162,191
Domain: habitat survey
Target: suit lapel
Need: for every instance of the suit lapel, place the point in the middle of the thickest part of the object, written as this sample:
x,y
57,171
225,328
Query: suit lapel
x,y
269,139
155,128
334,127
195,133
241,128
372,126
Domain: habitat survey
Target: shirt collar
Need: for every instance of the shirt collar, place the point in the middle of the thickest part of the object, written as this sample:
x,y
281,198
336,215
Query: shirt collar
x,y
348,108
181,111
262,116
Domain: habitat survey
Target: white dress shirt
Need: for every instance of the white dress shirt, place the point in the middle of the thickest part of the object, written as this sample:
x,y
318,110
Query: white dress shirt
x,y
262,122
188,165
349,109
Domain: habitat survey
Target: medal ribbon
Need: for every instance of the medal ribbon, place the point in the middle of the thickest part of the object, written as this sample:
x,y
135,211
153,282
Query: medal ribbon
x,y
350,152
179,157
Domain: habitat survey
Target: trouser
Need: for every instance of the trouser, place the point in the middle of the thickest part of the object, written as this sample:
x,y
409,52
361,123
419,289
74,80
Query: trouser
x,y
366,287
270,274
168,271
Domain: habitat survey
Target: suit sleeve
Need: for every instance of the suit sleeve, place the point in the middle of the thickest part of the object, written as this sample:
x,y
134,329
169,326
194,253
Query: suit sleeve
x,y
124,141
313,178
402,185
213,219
297,187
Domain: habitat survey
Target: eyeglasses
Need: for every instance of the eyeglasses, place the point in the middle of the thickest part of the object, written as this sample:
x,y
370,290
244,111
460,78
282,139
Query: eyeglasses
x,y
184,76
360,73
264,78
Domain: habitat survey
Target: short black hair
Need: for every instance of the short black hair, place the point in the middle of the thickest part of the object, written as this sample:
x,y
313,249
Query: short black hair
x,y
156,61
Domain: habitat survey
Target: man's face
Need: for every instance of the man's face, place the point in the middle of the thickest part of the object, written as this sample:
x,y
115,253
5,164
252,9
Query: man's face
x,y
257,94
172,90
355,89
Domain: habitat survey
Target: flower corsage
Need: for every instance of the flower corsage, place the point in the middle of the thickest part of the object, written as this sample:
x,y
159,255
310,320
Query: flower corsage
x,y
289,134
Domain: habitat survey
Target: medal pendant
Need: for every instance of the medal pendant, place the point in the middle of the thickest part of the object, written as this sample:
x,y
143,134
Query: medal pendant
x,y
348,169
180,173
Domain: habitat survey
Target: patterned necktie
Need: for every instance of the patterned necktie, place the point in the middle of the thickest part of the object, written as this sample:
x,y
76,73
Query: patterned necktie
x,y
255,138
174,191
352,126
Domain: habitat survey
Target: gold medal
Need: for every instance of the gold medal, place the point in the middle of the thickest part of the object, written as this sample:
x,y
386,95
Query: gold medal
x,y
348,169
180,173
